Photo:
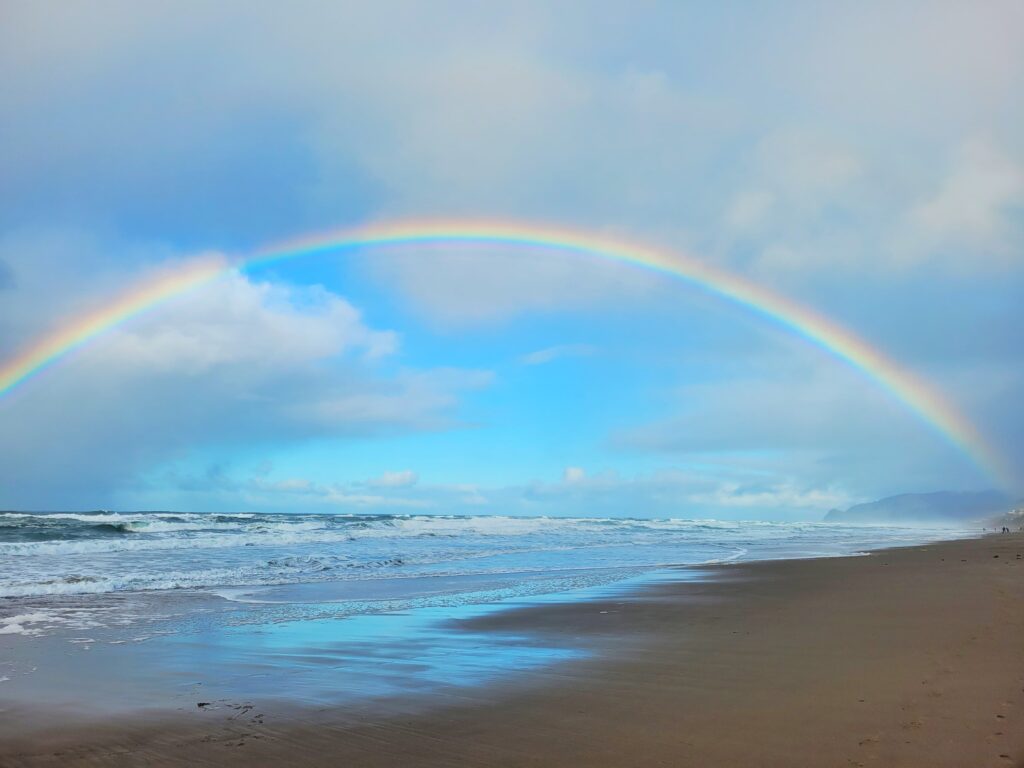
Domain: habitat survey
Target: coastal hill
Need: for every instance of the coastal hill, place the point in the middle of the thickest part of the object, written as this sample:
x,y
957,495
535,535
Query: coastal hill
x,y
937,507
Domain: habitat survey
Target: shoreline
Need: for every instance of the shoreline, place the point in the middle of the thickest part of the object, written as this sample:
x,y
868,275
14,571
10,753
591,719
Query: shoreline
x,y
906,656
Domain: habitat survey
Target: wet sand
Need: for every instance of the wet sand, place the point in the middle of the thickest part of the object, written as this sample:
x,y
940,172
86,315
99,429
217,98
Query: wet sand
x,y
906,657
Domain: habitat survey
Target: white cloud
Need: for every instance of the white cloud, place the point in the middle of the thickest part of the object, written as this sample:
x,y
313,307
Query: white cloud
x,y
931,67
972,210
573,474
804,165
667,492
790,189
236,322
401,479
419,400
336,496
749,210
237,362
522,110
781,495
549,354
674,492
465,285
809,419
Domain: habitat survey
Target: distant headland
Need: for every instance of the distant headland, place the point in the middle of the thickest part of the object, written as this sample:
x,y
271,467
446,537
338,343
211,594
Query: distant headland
x,y
951,507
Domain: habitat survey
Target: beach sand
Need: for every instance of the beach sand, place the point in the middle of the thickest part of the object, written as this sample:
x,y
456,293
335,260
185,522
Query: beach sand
x,y
906,657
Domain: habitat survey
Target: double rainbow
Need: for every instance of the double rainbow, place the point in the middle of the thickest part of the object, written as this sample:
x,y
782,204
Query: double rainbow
x,y
902,384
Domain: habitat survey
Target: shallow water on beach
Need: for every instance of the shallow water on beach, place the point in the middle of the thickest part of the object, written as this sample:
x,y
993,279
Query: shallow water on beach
x,y
272,644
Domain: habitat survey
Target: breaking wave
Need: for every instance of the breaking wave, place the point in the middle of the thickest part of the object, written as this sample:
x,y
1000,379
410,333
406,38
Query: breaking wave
x,y
101,552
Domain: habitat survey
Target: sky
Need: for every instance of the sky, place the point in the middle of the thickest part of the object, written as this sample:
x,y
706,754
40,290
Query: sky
x,y
862,159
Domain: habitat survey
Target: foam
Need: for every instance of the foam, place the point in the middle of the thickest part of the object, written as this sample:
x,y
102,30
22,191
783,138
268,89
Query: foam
x,y
125,544
16,625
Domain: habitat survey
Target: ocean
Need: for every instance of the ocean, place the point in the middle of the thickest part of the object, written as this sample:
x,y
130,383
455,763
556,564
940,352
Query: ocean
x,y
147,609
110,552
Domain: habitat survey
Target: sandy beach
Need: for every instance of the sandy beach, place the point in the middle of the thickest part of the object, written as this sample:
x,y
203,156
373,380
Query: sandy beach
x,y
905,657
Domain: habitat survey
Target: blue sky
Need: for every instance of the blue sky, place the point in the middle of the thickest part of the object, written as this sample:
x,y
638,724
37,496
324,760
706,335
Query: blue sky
x,y
864,159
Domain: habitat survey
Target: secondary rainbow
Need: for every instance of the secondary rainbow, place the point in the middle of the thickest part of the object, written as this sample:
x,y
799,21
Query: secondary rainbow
x,y
905,386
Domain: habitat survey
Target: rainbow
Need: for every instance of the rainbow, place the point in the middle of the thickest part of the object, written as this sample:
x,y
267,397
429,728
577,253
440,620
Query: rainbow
x,y
80,330
816,329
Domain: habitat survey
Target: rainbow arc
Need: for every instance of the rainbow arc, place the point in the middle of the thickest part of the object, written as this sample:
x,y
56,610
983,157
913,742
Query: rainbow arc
x,y
913,391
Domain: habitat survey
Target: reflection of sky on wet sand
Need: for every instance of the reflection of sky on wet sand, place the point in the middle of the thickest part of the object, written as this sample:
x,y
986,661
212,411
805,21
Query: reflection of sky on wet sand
x,y
367,655
329,660
349,643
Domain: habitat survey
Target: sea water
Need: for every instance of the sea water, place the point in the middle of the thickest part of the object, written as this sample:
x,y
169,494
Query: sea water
x,y
170,607
103,552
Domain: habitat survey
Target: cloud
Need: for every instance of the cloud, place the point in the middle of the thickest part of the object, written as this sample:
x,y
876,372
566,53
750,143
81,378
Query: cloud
x,y
945,61
795,417
792,177
221,488
409,400
977,208
401,479
549,354
241,323
60,273
238,363
524,111
461,285
673,492
573,474
679,493
666,492
334,495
